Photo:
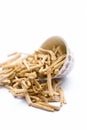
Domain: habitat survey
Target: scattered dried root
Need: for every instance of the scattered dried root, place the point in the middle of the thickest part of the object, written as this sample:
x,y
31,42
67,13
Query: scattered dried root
x,y
22,74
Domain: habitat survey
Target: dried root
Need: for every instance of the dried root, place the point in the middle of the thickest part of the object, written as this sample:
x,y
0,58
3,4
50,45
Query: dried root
x,y
21,75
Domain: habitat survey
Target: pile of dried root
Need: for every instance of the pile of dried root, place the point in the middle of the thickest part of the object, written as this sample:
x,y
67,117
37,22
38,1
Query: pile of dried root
x,y
23,75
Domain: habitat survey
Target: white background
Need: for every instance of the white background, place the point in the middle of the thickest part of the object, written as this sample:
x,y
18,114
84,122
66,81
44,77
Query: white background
x,y
24,25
